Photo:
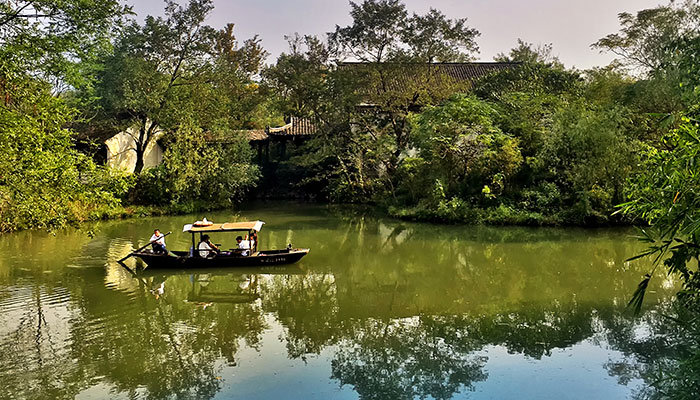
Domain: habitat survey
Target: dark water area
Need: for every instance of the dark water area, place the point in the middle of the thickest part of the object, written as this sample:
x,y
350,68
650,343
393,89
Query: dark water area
x,y
379,309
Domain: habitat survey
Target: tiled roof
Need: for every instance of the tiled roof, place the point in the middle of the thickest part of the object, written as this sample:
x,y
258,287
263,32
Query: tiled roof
x,y
251,134
296,127
404,73
256,134
473,71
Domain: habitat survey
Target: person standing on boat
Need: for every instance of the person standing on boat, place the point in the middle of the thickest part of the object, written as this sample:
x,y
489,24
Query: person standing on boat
x,y
243,245
206,248
158,242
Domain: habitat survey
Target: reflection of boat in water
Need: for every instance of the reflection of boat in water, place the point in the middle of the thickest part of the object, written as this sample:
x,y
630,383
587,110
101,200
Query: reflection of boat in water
x,y
198,258
240,295
264,270
207,288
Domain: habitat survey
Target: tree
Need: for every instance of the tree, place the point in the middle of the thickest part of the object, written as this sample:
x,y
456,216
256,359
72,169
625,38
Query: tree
x,y
526,53
44,181
664,193
397,77
434,38
646,40
197,170
152,78
55,40
305,84
383,31
375,32
235,99
299,78
463,148
589,154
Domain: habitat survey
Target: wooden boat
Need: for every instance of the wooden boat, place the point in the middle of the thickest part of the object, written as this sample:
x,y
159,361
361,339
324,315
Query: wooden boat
x,y
230,258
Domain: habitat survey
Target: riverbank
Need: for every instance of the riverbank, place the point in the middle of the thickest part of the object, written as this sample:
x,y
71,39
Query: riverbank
x,y
503,215
448,213
80,214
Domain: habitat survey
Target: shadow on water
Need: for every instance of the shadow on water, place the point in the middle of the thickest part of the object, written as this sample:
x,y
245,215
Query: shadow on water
x,y
392,309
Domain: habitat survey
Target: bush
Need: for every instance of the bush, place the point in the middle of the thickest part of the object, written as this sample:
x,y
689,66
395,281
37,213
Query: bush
x,y
152,187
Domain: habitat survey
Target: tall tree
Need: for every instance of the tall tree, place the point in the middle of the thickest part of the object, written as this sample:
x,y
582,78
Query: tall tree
x,y
151,79
435,38
300,76
375,32
383,31
397,76
235,98
52,39
646,40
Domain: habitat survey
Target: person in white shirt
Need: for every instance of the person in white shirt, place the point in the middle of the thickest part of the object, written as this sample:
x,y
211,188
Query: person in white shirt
x,y
158,242
206,248
243,245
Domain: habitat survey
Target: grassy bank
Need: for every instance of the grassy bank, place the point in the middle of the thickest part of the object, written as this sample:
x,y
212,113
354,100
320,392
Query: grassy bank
x,y
502,215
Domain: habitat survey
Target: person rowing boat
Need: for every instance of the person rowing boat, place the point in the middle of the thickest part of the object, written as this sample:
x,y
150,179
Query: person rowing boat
x,y
158,242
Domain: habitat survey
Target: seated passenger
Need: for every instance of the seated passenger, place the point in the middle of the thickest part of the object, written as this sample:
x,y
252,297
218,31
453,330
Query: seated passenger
x,y
244,245
206,248
253,237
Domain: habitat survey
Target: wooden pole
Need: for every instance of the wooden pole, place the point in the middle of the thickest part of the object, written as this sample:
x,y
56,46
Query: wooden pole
x,y
142,247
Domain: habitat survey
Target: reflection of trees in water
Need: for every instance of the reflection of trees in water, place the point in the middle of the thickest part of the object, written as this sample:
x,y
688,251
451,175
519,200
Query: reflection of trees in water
x,y
665,354
306,306
533,332
150,351
384,359
404,310
439,355
36,341
528,291
171,346
142,346
426,355
35,357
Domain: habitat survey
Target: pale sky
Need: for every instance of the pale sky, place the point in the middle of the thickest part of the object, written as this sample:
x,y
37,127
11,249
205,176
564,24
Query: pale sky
x,y
570,25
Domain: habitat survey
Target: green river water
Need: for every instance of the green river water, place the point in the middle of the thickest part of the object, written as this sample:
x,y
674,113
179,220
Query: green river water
x,y
379,309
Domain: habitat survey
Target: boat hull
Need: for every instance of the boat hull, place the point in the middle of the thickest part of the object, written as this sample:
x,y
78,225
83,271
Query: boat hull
x,y
182,260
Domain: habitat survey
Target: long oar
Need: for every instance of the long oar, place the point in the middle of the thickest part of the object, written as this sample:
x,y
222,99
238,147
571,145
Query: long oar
x,y
142,247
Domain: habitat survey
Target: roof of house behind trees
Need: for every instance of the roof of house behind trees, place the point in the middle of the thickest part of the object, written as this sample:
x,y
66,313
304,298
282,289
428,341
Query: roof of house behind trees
x,y
296,127
403,73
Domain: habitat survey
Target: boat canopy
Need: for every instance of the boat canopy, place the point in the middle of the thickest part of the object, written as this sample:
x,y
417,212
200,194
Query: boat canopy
x,y
225,227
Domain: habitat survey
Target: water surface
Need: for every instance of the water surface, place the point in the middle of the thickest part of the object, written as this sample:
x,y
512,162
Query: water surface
x,y
380,309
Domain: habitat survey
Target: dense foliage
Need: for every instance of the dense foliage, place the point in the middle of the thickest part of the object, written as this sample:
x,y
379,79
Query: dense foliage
x,y
196,173
44,46
534,143
44,181
83,65
663,190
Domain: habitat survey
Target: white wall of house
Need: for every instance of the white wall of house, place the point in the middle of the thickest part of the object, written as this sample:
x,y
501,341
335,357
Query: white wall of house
x,y
121,151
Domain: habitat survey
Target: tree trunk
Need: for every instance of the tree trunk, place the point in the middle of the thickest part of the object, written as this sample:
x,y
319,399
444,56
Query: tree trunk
x,y
142,144
139,160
